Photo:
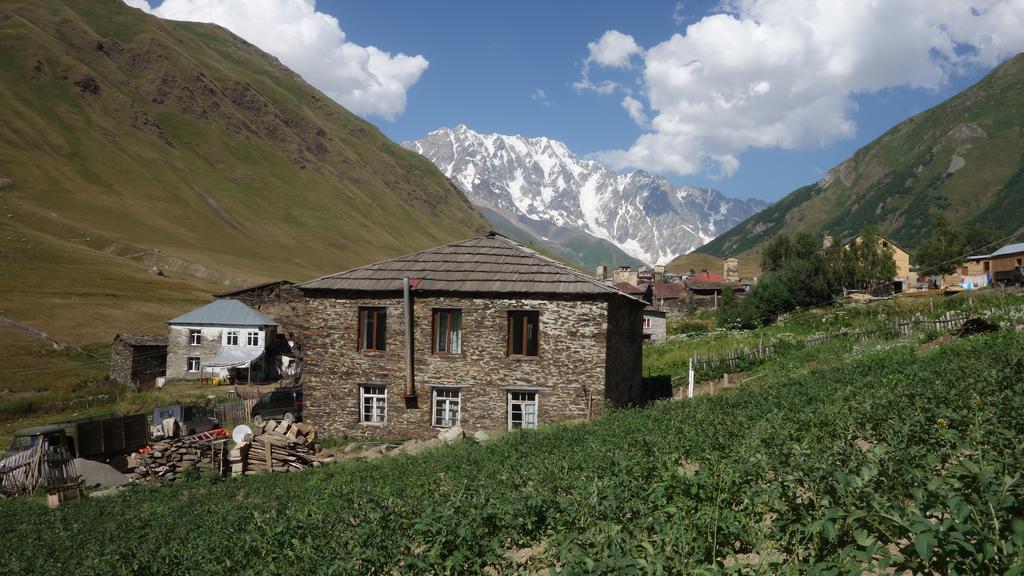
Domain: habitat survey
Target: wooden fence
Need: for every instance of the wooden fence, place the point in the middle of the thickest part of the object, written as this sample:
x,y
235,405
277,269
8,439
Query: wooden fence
x,y
237,411
41,465
948,322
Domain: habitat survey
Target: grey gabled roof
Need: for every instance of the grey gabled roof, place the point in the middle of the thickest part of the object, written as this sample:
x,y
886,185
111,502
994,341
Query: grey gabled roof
x,y
1008,249
223,313
489,263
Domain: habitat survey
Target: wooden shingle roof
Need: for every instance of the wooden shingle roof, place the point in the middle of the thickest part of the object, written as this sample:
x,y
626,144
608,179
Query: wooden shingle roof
x,y
489,263
135,340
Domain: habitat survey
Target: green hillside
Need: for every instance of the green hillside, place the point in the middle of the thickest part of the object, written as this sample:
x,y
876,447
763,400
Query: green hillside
x,y
133,141
963,158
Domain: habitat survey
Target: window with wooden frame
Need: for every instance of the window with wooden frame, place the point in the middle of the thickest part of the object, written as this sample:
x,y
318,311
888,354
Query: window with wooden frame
x,y
373,402
447,331
231,338
372,329
522,409
195,337
985,266
447,404
523,332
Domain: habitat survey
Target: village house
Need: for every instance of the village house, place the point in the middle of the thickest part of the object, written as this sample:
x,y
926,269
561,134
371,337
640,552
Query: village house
x,y
282,302
1007,264
655,325
137,360
483,334
224,338
904,280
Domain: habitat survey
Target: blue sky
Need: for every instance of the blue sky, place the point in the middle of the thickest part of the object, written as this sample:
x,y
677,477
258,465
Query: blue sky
x,y
786,88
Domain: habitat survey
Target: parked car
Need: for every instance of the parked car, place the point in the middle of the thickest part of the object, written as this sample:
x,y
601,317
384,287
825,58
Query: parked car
x,y
280,404
190,419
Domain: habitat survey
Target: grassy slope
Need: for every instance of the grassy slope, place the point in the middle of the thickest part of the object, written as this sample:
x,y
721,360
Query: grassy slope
x,y
197,145
841,459
896,181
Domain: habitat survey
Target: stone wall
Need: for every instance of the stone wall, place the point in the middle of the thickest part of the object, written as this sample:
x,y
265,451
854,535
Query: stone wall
x,y
121,363
179,349
568,374
657,331
625,353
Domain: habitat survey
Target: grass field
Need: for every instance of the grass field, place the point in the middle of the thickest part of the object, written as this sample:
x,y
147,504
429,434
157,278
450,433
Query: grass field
x,y
877,457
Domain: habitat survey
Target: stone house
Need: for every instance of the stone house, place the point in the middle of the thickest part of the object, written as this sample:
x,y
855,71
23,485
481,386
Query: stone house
x,y
655,325
223,338
137,360
485,334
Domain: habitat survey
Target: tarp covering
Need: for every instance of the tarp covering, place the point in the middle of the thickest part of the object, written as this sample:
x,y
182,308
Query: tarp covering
x,y
229,357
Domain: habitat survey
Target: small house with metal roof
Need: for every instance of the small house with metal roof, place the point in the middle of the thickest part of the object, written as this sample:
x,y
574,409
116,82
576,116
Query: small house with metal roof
x,y
482,334
223,338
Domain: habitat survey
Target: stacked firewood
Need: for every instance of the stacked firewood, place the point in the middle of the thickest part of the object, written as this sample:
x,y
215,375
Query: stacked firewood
x,y
169,460
276,446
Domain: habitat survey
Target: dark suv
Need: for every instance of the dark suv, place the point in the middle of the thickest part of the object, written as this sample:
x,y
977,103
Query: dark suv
x,y
282,404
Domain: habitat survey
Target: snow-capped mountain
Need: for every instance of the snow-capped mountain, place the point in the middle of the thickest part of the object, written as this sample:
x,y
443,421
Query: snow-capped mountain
x,y
539,178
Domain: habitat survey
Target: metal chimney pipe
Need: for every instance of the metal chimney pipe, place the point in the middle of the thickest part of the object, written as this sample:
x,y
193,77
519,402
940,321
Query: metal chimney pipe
x,y
410,374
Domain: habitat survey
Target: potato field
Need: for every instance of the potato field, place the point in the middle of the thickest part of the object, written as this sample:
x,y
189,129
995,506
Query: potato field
x,y
875,457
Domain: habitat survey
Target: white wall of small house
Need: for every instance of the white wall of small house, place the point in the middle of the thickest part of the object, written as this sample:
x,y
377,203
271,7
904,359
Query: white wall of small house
x,y
213,339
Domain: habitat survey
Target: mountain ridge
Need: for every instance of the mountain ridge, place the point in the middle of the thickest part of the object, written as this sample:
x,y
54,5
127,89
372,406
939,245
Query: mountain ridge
x,y
644,215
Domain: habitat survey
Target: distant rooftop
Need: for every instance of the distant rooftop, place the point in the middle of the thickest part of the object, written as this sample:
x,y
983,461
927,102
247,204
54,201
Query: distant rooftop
x,y
133,340
251,287
223,313
1008,249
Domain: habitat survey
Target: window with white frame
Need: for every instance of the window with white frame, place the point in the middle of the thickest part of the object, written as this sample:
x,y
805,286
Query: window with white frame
x,y
373,402
231,338
647,322
192,363
252,338
446,407
195,337
522,409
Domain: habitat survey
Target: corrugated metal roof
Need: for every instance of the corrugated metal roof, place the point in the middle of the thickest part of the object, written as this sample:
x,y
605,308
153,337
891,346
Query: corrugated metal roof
x,y
224,313
489,263
1008,249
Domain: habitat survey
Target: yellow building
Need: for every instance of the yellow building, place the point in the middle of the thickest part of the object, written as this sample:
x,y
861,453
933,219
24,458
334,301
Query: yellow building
x,y
904,278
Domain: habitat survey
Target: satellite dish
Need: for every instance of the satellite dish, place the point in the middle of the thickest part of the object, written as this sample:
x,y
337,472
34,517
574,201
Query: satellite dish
x,y
240,432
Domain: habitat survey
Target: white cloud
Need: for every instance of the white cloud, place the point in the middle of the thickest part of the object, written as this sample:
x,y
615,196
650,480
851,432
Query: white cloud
x,y
782,73
635,109
538,95
613,49
364,79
